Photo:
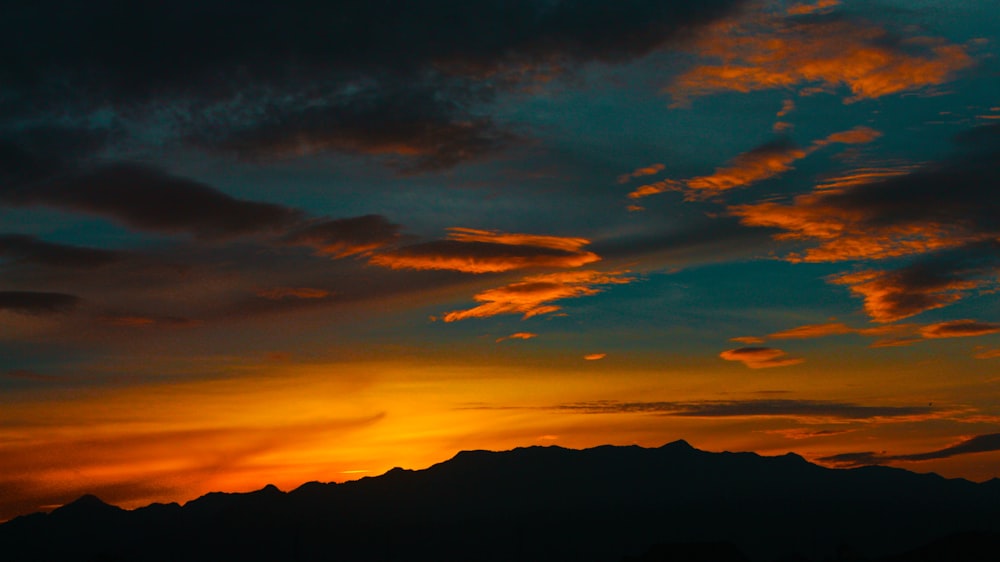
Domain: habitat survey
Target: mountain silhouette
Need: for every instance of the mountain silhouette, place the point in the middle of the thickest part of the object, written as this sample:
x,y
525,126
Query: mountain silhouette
x,y
545,504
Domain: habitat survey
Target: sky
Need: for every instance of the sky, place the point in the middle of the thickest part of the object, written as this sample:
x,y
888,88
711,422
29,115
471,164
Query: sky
x,y
312,241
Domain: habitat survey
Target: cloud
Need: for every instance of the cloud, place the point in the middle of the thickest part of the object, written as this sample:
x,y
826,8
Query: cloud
x,y
763,162
803,433
535,295
760,357
35,302
341,238
145,198
830,53
282,293
959,329
987,354
819,6
935,214
297,77
971,445
813,331
147,321
594,356
518,336
894,295
809,410
29,249
487,251
748,340
650,170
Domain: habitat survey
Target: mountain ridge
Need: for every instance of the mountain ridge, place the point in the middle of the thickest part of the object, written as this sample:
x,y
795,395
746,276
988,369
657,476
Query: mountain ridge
x,y
535,503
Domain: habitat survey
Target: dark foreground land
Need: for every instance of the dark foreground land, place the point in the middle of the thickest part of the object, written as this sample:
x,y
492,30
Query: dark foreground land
x,y
608,504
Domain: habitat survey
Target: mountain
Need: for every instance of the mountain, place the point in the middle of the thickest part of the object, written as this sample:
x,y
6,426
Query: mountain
x,y
537,503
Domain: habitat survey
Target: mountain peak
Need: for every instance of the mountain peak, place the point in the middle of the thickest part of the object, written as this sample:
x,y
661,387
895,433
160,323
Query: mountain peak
x,y
679,445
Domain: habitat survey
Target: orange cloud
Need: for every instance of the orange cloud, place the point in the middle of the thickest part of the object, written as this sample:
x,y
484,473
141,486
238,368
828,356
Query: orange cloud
x,y
651,170
820,6
341,238
988,354
594,356
487,251
282,293
805,433
768,51
534,295
847,232
959,329
895,342
518,336
760,357
749,340
813,331
761,163
894,295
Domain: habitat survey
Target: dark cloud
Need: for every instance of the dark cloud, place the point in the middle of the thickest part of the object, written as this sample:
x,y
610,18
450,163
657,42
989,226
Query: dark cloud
x,y
270,79
29,249
340,238
145,198
753,408
978,444
959,329
414,131
32,302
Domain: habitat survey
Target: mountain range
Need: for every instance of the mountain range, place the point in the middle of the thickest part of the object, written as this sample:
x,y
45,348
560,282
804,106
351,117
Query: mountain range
x,y
608,504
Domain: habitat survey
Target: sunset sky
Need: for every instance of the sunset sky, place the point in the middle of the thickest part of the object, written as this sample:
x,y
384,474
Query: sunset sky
x,y
276,242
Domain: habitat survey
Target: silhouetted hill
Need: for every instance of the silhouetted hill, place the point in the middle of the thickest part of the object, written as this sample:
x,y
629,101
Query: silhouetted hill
x,y
536,503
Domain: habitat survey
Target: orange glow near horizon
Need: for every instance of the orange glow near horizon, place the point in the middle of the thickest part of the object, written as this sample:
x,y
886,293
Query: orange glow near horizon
x,y
289,424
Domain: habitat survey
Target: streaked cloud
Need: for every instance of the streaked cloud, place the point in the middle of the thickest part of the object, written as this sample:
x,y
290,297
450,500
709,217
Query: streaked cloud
x,y
21,248
894,295
536,295
764,51
594,356
812,331
37,302
959,329
760,357
146,198
282,293
761,163
799,433
487,251
518,336
341,238
987,354
810,410
967,446
650,170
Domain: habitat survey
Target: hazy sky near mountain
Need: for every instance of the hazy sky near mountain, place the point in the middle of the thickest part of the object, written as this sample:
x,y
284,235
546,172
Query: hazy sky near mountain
x,y
299,241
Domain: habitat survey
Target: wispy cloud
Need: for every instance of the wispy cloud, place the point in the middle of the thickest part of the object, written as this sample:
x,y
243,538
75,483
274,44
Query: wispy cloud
x,y
760,357
959,329
761,163
340,238
518,336
809,410
536,295
29,249
487,251
594,356
282,293
37,302
650,170
971,445
763,51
